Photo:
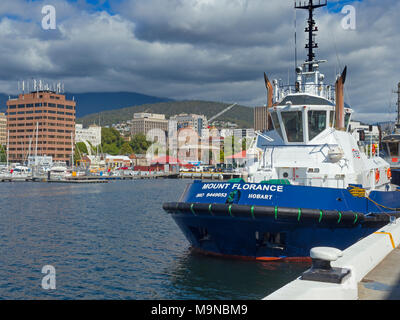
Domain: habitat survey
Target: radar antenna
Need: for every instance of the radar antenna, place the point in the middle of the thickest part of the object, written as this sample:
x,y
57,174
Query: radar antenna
x,y
312,28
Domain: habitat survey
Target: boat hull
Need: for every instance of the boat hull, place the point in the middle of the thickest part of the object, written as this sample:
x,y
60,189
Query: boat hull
x,y
283,222
265,239
396,176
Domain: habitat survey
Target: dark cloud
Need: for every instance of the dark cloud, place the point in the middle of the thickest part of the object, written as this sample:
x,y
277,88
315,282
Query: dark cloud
x,y
200,49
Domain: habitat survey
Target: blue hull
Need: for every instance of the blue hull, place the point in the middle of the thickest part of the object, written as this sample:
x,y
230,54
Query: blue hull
x,y
267,222
396,176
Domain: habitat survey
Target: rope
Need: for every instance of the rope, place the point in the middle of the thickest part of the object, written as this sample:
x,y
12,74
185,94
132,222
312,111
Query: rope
x,y
382,206
361,193
358,192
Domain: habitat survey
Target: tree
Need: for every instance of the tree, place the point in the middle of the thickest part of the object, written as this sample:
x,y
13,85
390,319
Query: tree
x,y
111,136
79,151
111,149
3,154
139,144
126,149
232,145
111,141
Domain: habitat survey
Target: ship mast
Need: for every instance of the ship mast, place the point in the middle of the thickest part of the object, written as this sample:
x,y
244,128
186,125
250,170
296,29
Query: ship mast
x,y
398,106
312,28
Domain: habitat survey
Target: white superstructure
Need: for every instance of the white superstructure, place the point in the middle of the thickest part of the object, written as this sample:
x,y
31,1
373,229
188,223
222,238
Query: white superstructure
x,y
307,146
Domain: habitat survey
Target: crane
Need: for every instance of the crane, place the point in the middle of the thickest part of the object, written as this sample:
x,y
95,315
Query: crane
x,y
222,112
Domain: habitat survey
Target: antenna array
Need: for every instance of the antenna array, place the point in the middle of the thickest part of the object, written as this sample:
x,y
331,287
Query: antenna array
x,y
39,85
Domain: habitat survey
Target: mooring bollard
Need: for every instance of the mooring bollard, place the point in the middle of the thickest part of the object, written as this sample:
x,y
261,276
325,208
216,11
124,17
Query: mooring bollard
x,y
321,269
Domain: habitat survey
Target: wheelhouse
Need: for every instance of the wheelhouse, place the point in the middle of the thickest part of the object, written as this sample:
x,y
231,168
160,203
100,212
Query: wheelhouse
x,y
391,145
301,119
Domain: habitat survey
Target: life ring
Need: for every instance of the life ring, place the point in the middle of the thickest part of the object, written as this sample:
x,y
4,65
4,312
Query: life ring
x,y
389,173
377,175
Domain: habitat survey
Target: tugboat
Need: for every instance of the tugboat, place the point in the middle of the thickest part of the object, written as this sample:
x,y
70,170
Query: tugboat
x,y
311,186
391,147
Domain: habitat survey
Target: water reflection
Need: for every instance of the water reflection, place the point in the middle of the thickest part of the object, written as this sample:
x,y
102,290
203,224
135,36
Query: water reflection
x,y
198,276
114,241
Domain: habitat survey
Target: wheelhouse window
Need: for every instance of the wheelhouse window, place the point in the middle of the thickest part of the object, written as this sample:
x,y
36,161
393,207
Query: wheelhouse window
x,y
347,119
293,122
332,119
394,149
316,123
275,121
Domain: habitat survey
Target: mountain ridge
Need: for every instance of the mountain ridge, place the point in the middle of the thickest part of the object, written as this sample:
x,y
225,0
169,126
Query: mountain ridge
x,y
241,115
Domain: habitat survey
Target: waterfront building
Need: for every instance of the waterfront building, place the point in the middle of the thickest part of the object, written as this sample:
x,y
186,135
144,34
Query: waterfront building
x,y
244,133
260,119
3,129
144,122
370,132
43,123
194,121
115,162
91,134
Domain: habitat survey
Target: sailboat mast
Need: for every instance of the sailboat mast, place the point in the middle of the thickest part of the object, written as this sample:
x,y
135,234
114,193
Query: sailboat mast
x,y
72,148
37,131
398,106
8,145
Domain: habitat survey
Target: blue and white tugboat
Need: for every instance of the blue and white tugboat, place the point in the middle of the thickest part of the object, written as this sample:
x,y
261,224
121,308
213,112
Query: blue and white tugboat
x,y
311,185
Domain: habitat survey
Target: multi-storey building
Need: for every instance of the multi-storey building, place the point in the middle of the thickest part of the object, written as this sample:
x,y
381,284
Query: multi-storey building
x,y
260,119
91,134
3,129
42,123
194,121
144,122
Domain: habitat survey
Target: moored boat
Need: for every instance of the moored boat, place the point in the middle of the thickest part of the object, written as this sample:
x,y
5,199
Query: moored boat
x,y
310,186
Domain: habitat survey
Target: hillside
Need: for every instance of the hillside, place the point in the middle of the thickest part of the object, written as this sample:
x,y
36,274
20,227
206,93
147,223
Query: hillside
x,y
89,103
243,116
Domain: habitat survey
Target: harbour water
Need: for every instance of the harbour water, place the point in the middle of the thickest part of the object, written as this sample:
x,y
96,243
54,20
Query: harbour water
x,y
114,241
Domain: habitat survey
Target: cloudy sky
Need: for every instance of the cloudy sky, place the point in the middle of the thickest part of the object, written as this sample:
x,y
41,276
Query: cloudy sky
x,y
200,49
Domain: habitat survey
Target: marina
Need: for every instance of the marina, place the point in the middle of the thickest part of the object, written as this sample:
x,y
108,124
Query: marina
x,y
292,192
91,179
